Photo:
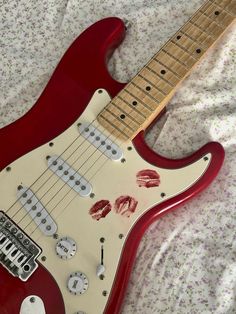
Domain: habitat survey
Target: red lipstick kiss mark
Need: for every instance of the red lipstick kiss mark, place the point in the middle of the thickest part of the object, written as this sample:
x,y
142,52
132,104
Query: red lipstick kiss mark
x,y
100,209
148,178
125,205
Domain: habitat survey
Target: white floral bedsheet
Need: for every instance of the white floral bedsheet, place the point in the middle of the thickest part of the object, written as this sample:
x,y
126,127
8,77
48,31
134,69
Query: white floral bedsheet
x,y
186,262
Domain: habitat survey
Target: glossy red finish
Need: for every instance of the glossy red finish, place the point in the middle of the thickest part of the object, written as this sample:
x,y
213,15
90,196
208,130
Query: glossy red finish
x,y
132,243
81,71
41,283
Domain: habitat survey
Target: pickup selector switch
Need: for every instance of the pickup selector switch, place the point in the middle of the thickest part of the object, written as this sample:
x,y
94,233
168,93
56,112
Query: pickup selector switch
x,y
77,283
66,248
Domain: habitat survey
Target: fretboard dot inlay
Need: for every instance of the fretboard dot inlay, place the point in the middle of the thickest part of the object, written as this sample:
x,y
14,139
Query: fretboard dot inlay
x,y
122,116
163,72
217,12
134,103
148,88
178,37
198,50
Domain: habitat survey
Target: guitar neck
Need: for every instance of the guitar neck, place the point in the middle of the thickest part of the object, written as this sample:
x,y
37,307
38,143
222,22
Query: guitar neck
x,y
137,105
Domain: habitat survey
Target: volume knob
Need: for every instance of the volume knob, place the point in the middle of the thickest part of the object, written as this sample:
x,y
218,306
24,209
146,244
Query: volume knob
x,y
66,248
77,283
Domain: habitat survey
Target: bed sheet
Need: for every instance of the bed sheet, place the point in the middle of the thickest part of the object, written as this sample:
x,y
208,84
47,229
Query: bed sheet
x,y
186,262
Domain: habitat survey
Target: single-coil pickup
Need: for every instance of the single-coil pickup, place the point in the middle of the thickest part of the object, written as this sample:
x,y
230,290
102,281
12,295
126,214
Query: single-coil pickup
x,y
63,170
102,142
37,211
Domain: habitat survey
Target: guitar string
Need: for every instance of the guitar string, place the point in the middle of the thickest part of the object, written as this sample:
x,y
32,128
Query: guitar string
x,y
64,195
94,175
84,140
90,178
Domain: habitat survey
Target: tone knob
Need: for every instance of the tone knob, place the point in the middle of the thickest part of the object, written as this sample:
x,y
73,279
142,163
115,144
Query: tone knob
x,y
66,248
77,283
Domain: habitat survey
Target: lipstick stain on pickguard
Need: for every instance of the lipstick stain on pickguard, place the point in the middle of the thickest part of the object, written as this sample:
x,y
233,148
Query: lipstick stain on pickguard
x,y
148,178
100,209
125,205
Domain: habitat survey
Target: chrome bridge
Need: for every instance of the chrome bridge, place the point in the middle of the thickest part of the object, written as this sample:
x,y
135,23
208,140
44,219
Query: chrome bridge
x,y
18,252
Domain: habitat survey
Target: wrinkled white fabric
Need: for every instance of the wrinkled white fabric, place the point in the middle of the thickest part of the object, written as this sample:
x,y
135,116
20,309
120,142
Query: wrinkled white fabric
x,y
186,262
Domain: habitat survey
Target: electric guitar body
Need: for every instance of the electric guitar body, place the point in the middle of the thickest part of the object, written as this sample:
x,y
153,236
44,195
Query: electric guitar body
x,y
74,199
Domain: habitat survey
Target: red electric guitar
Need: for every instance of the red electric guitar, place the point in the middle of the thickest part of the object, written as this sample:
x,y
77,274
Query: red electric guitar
x,y
78,184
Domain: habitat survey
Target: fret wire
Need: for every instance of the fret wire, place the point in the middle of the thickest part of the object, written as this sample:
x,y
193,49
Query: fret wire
x,y
226,19
144,108
192,50
209,4
157,74
133,108
223,8
198,26
213,7
211,21
146,93
120,121
170,54
157,70
117,128
148,66
189,36
184,49
157,60
179,61
156,87
170,63
123,111
208,16
113,126
181,53
144,104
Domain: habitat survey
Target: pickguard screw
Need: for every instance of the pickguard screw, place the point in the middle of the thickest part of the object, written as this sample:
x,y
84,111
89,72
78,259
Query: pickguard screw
x,y
163,194
129,148
79,124
205,158
51,144
32,300
55,236
102,277
8,169
123,160
100,91
121,236
48,157
102,240
92,195
104,293
20,187
43,258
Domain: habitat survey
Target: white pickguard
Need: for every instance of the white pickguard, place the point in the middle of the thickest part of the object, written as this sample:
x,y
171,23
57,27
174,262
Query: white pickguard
x,y
32,305
110,180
